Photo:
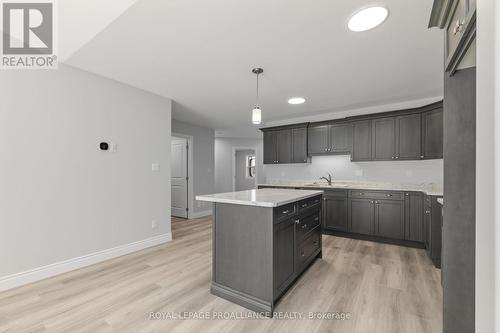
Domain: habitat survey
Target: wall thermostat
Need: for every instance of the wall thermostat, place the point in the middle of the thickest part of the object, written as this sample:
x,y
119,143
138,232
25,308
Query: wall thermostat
x,y
104,146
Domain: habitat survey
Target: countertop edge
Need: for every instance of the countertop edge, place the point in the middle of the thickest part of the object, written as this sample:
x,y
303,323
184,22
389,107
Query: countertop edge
x,y
323,188
256,203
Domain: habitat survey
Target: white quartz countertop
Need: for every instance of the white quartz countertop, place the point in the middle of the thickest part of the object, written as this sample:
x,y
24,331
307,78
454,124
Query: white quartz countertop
x,y
346,185
261,197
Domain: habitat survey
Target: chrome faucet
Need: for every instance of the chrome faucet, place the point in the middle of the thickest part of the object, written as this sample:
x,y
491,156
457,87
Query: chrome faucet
x,y
329,179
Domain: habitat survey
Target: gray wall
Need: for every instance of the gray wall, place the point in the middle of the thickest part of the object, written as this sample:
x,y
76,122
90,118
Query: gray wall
x,y
224,151
203,160
241,181
60,196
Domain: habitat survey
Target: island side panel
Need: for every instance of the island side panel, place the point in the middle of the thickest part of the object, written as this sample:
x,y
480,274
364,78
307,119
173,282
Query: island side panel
x,y
243,253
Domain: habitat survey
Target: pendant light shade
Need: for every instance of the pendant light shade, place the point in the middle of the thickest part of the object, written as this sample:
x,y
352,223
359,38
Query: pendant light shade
x,y
256,112
256,115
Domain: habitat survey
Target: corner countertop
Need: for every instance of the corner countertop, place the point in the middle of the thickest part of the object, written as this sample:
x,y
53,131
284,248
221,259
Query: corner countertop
x,y
428,189
261,197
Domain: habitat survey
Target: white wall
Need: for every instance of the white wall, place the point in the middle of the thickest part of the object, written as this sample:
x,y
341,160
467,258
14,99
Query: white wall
x,y
488,167
203,160
429,171
224,152
60,196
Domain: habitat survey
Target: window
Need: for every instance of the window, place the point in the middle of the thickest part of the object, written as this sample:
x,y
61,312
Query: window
x,y
250,166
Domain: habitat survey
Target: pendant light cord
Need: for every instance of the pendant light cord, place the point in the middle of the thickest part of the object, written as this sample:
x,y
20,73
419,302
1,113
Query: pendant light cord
x,y
257,94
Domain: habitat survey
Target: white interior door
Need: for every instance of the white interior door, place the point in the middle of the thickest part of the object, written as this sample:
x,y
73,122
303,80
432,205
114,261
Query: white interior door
x,y
179,177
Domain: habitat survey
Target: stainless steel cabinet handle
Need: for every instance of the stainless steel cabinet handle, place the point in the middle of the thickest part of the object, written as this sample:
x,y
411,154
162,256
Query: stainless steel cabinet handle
x,y
397,157
303,205
389,195
316,218
421,156
304,226
297,221
285,212
302,254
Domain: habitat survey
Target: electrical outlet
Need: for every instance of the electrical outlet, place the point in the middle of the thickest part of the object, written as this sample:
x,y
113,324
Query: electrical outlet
x,y
155,167
154,224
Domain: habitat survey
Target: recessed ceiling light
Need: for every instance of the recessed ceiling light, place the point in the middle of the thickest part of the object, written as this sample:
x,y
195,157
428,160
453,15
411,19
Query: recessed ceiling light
x,y
367,18
296,100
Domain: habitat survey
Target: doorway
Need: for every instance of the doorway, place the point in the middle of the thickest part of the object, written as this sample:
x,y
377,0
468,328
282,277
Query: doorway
x,y
245,170
179,178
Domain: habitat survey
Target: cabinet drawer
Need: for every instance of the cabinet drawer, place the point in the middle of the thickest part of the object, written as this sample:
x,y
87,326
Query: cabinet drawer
x,y
388,195
309,202
307,248
336,193
284,211
306,224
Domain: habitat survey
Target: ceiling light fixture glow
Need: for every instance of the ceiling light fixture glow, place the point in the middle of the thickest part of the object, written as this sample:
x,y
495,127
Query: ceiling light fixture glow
x,y
296,100
367,19
256,111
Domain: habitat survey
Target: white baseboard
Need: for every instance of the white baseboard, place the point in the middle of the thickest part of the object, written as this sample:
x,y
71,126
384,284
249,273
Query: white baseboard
x,y
195,215
40,273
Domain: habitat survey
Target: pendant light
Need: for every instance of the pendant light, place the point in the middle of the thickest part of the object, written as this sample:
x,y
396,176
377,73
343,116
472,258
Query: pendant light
x,y
256,112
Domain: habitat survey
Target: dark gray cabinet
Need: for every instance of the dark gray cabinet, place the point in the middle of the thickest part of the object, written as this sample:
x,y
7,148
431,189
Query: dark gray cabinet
x,y
285,145
361,215
414,217
361,140
408,137
389,218
284,252
329,138
270,152
299,145
383,139
432,134
433,228
318,139
335,211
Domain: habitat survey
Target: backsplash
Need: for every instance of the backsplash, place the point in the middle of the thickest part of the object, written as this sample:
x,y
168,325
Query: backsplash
x,y
341,167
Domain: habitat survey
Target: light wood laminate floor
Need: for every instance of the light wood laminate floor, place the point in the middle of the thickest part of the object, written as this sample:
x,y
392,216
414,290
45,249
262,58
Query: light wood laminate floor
x,y
385,288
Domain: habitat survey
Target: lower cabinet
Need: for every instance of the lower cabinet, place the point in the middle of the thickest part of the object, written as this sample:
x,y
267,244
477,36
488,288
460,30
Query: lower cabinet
x,y
335,211
414,217
361,215
297,241
389,218
284,252
433,221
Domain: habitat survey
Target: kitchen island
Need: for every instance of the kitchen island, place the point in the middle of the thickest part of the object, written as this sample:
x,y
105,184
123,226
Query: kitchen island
x,y
263,240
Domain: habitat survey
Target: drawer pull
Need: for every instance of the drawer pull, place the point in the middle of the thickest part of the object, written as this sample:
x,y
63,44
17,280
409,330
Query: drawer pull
x,y
304,205
285,212
304,226
389,195
316,218
297,221
302,254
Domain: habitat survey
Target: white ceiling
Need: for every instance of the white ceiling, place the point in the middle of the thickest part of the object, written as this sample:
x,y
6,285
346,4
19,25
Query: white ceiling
x,y
200,53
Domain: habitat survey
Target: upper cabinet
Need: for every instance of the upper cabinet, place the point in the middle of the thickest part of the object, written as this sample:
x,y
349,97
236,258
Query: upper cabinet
x,y
332,138
432,134
411,134
361,140
408,137
384,139
285,145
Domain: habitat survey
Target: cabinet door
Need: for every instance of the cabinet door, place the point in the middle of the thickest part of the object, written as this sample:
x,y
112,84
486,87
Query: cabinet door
x,y
414,217
361,141
340,138
318,139
384,139
408,137
389,217
284,253
361,216
284,146
335,213
432,134
299,145
270,156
